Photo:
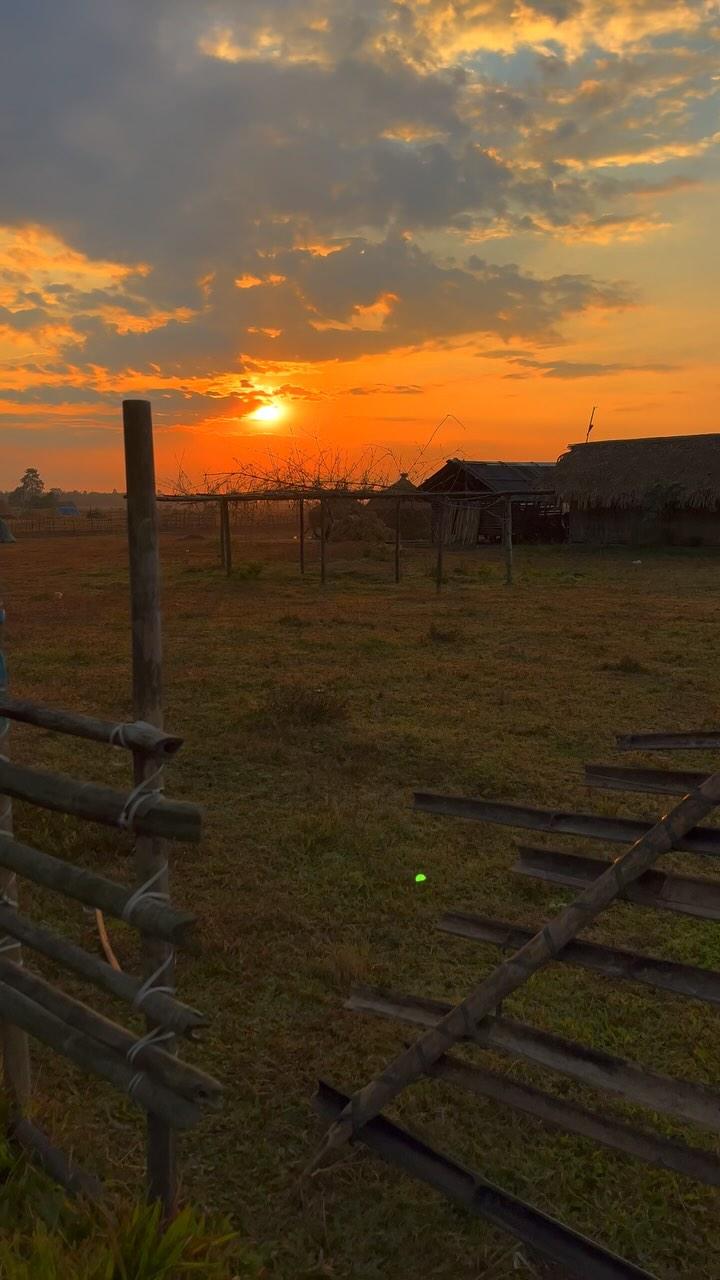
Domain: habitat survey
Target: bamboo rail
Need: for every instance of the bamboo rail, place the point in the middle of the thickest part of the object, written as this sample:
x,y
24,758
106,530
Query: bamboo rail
x,y
135,736
173,819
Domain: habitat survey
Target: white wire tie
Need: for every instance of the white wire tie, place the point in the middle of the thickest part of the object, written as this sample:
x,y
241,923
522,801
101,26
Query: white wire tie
x,y
150,1040
149,983
136,804
117,736
145,892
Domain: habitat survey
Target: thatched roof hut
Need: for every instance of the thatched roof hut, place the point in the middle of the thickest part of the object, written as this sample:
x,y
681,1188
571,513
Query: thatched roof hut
x,y
657,489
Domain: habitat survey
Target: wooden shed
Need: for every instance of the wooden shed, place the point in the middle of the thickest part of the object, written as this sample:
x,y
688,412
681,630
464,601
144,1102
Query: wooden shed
x,y
652,491
538,519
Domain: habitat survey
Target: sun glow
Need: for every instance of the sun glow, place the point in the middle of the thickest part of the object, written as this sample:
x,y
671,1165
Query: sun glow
x,y
267,414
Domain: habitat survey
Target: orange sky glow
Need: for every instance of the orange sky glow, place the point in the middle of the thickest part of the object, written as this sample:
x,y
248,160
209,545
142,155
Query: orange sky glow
x,y
307,225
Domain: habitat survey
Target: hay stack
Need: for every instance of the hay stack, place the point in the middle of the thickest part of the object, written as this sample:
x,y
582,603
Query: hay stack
x,y
415,517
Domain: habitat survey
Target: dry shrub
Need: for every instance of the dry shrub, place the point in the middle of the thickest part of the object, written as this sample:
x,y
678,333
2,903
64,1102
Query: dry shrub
x,y
443,635
302,706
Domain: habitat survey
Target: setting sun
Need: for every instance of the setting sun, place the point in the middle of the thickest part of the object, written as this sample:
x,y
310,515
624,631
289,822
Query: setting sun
x,y
267,414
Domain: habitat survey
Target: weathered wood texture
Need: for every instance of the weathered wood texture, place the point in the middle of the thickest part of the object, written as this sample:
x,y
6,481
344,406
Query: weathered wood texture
x,y
692,740
664,975
578,1256
164,1009
612,777
686,895
695,1103
88,1054
150,860
556,822
147,914
414,1062
172,819
692,1162
134,735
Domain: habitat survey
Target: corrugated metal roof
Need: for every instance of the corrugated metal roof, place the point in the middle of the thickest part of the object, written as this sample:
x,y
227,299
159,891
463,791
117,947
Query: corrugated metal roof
x,y
509,475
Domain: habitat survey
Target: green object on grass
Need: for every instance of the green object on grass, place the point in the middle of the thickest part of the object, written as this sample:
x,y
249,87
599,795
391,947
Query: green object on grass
x,y
420,877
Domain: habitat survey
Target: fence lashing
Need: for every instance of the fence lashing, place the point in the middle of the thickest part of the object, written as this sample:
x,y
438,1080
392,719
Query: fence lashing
x,y
632,876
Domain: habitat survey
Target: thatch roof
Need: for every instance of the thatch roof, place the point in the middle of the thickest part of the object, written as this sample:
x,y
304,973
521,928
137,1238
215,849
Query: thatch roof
x,y
670,471
492,477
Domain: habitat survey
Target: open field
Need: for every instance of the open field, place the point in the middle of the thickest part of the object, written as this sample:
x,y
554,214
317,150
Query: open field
x,y
310,717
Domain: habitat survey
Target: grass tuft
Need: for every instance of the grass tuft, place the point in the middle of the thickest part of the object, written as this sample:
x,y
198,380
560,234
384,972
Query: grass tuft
x,y
303,706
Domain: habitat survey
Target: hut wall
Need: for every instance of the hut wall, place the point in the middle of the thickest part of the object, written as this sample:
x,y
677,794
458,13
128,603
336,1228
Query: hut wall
x,y
615,526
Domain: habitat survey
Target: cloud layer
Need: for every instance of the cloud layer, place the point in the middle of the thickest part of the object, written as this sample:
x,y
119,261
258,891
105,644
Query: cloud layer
x,y
196,197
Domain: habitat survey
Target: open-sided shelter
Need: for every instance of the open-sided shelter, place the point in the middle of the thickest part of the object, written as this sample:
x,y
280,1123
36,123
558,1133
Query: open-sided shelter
x,y
538,519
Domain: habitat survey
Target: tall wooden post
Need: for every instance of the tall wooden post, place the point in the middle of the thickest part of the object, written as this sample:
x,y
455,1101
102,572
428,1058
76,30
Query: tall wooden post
x,y
222,535
13,1042
397,541
302,535
507,540
225,521
440,546
322,541
150,859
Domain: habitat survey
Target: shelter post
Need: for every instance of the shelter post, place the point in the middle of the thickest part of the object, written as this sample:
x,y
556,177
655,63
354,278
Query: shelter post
x,y
301,506
507,540
397,540
225,510
151,867
440,545
323,510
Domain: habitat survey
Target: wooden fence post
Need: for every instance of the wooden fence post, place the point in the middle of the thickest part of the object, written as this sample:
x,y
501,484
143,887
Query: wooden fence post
x,y
508,542
14,1042
322,541
397,541
302,535
150,861
441,540
222,535
225,520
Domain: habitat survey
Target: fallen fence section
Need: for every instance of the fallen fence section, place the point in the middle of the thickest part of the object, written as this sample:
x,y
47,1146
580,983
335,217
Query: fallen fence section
x,y
478,1020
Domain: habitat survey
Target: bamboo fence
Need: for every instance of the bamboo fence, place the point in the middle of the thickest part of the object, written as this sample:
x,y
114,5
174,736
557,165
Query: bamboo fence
x,y
171,1093
478,1019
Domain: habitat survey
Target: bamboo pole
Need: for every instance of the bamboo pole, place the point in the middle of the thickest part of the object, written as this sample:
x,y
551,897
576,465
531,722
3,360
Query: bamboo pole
x,y
514,972
53,1161
165,1009
508,542
150,861
222,536
225,517
88,1054
15,1051
180,1077
147,914
173,819
301,506
397,541
133,736
323,540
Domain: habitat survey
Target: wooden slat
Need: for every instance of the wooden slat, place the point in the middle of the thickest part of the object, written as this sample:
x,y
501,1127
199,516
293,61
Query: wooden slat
x,y
692,740
688,895
612,777
665,975
135,735
695,1103
174,819
579,1256
557,822
692,1162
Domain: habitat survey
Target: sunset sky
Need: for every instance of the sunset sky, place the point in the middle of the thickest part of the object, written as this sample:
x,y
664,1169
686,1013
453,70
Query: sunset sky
x,y
355,217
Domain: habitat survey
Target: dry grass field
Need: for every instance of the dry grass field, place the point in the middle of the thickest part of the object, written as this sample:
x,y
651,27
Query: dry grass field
x,y
310,717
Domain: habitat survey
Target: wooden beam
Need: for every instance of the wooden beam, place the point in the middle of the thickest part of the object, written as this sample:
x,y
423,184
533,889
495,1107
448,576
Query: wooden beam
x,y
150,859
508,542
666,782
695,1103
692,1162
664,975
687,895
173,819
147,914
135,735
556,822
577,1255
692,740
